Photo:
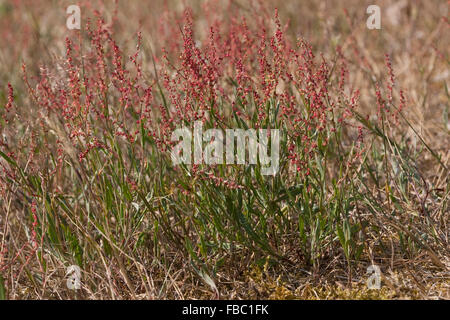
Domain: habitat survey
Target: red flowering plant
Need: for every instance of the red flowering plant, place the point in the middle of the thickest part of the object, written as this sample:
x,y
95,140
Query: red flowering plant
x,y
91,161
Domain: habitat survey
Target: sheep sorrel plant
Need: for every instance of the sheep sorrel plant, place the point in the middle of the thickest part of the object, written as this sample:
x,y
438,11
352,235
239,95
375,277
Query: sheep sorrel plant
x,y
226,153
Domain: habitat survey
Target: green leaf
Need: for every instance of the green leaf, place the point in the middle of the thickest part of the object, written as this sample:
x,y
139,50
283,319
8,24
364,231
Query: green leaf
x,y
2,289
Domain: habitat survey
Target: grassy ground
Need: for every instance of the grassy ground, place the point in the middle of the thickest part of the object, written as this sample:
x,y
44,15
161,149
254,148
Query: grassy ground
x,y
86,176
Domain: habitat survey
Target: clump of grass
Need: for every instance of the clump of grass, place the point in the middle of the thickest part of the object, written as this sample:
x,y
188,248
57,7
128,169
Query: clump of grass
x,y
87,178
